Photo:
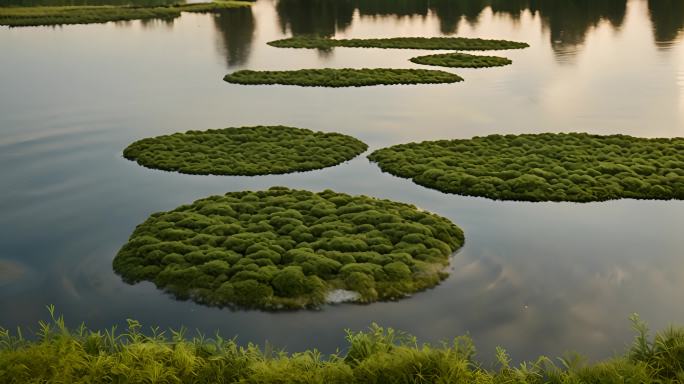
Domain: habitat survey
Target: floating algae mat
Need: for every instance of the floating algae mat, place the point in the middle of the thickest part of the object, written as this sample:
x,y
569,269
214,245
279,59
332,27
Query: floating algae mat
x,y
451,43
87,14
345,77
285,248
543,167
258,150
461,60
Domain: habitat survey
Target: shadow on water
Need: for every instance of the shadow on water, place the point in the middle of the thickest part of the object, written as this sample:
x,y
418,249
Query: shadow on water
x,y
235,33
567,22
667,17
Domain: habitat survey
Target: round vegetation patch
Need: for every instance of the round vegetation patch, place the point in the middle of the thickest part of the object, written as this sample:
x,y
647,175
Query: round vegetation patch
x,y
287,249
543,167
451,43
245,151
461,60
345,77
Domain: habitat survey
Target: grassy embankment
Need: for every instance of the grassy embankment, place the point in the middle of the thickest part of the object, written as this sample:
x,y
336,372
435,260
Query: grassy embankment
x,y
250,151
345,77
57,354
450,43
86,14
288,249
575,167
461,60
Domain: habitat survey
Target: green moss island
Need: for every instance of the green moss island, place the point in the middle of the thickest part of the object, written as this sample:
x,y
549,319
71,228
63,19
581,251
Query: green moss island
x,y
461,60
344,77
248,151
290,249
576,167
54,353
87,14
451,43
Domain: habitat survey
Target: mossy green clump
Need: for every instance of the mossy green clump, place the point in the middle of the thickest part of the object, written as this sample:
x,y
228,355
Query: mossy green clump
x,y
451,43
346,77
87,14
575,167
57,354
285,248
461,60
250,151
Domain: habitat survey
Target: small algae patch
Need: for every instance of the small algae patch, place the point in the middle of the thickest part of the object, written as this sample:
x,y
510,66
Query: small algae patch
x,y
451,43
575,167
289,249
245,151
87,14
461,60
345,77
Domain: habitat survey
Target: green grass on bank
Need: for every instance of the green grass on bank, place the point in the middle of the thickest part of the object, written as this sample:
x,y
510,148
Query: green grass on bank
x,y
86,14
289,249
258,150
543,167
451,43
56,354
346,77
461,60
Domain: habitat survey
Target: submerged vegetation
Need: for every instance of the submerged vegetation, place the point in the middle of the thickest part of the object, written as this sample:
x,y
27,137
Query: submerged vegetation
x,y
285,248
86,14
461,60
345,77
451,43
543,167
245,151
57,354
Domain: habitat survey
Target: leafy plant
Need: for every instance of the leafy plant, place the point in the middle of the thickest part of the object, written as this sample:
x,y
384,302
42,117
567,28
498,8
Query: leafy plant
x,y
461,60
543,167
285,248
451,43
345,77
245,151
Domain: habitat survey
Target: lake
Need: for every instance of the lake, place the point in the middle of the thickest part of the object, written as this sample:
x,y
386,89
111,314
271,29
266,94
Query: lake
x,y
535,278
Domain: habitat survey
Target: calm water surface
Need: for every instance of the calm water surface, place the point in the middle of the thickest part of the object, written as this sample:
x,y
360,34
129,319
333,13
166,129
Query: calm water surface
x,y
536,278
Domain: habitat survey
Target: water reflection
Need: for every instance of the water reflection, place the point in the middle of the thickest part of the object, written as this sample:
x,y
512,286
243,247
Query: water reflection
x,y
667,17
235,32
567,22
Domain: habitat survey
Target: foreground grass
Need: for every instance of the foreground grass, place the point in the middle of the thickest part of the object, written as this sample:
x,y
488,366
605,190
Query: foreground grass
x,y
249,151
461,60
86,14
289,249
543,167
451,43
379,355
346,77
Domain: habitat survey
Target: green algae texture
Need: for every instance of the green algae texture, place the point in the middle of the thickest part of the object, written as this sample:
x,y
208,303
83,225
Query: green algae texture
x,y
288,249
87,14
576,167
246,151
345,77
461,60
451,43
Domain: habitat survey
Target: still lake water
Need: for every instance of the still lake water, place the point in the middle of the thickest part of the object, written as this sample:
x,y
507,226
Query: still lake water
x,y
536,278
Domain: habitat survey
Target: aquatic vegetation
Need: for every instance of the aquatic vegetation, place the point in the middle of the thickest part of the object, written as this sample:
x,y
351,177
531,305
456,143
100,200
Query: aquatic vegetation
x,y
451,43
345,77
461,60
58,354
285,248
86,14
543,167
258,150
